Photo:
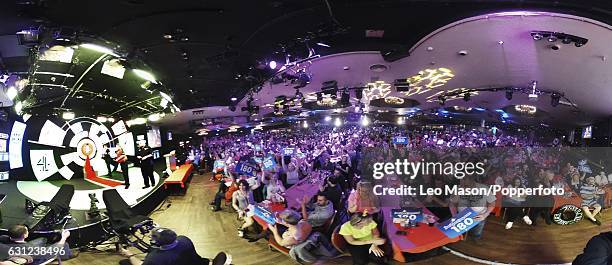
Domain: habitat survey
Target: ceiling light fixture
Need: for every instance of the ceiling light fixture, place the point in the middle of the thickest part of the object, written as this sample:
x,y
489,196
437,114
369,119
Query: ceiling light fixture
x,y
18,107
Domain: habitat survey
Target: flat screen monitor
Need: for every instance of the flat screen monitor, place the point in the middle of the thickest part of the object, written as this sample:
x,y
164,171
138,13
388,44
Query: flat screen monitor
x,y
154,137
587,132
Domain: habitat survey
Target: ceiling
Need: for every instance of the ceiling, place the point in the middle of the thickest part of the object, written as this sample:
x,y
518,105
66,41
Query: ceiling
x,y
219,45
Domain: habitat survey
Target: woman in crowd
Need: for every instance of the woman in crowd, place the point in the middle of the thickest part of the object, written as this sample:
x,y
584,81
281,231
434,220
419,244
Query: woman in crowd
x,y
514,205
242,201
275,191
292,172
363,199
363,239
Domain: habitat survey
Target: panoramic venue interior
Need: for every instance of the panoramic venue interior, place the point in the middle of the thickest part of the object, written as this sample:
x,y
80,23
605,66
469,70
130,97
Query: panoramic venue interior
x,y
305,132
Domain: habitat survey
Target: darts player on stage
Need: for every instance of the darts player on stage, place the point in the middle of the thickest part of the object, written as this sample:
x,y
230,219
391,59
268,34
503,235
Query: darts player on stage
x,y
146,164
122,160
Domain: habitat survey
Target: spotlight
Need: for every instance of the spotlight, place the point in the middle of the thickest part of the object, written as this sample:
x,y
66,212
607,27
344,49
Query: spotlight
x,y
154,117
400,120
365,121
509,95
234,99
337,122
18,107
554,99
98,48
566,41
466,96
552,38
441,100
272,65
537,35
328,118
305,124
11,92
68,115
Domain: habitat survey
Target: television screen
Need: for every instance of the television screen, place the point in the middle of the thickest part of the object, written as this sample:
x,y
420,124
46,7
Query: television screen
x,y
119,128
154,137
587,132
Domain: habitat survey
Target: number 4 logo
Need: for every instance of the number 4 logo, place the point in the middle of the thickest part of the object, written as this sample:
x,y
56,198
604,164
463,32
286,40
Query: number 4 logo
x,y
42,163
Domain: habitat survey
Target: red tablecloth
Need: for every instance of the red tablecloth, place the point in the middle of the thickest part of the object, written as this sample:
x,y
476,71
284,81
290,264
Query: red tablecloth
x,y
274,208
559,201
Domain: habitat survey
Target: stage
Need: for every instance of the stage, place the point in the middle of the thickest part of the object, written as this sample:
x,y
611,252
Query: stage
x,y
83,229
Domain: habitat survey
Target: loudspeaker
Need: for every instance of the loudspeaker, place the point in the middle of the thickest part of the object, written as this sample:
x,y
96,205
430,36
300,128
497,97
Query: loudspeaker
x,y
395,53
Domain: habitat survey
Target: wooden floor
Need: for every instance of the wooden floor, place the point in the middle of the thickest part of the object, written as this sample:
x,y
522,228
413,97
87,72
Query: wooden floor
x,y
213,232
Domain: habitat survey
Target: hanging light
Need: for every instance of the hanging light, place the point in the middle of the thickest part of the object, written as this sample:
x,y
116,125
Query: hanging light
x,y
11,92
337,122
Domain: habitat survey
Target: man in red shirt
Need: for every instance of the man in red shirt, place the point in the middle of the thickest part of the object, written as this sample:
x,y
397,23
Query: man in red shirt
x,y
121,159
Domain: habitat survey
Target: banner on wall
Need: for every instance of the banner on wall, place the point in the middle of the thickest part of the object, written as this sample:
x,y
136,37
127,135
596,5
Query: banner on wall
x,y
15,156
43,164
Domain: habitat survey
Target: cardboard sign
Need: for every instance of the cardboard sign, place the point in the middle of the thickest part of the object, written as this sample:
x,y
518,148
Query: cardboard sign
x,y
269,163
289,151
459,224
219,164
245,168
264,214
410,214
400,140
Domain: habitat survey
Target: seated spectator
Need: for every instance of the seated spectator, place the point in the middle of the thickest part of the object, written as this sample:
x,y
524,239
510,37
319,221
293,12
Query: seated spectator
x,y
601,179
224,192
363,199
242,200
318,213
363,239
514,205
275,191
590,193
19,233
170,249
332,192
297,231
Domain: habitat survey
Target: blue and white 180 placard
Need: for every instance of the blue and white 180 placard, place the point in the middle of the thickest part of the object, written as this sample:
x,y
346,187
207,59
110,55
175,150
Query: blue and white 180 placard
x,y
459,224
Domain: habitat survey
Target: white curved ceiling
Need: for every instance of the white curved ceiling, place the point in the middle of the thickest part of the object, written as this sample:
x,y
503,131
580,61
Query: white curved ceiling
x,y
583,74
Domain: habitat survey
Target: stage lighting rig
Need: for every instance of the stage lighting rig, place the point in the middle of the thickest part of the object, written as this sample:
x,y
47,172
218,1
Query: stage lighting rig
x,y
551,37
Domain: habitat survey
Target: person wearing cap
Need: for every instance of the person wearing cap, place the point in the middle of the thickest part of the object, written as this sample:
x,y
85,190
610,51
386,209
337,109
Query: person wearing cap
x,y
590,193
297,231
169,249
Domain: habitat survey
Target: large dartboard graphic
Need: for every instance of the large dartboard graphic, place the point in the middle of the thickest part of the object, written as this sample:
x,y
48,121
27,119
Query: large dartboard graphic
x,y
61,151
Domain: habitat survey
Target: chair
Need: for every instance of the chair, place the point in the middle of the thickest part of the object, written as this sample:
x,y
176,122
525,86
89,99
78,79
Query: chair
x,y
338,241
272,244
121,216
326,227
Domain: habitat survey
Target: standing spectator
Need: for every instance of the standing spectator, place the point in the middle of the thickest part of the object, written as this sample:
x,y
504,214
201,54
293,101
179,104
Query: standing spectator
x,y
482,204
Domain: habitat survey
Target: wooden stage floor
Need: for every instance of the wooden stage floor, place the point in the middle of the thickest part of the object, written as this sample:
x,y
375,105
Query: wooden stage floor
x,y
213,232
